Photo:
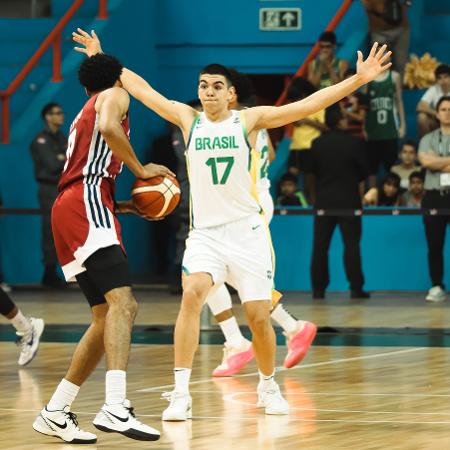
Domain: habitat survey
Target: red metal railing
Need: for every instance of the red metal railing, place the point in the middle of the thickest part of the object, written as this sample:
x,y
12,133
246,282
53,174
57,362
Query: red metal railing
x,y
312,54
54,39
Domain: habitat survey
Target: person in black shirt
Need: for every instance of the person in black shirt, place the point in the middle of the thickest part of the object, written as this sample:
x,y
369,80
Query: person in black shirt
x,y
48,150
338,163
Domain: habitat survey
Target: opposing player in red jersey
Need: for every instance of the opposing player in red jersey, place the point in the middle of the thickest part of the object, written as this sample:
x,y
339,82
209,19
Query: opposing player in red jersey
x,y
89,246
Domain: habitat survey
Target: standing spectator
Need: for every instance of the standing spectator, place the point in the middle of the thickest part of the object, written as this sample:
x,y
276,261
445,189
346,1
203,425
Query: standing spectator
x,y
413,197
289,193
387,194
382,131
48,150
338,163
303,134
327,69
434,155
388,24
408,163
426,108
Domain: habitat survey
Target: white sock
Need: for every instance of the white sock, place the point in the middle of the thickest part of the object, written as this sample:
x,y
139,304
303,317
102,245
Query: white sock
x,y
266,380
231,331
182,377
283,318
64,395
20,323
116,387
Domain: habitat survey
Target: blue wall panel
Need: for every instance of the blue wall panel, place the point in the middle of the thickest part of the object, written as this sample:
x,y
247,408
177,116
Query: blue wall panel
x,y
394,254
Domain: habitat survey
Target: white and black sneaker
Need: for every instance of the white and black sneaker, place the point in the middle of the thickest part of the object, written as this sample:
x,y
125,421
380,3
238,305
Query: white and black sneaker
x,y
180,407
121,419
29,341
62,424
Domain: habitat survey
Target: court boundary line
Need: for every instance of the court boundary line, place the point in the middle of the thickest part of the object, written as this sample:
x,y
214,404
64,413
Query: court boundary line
x,y
301,367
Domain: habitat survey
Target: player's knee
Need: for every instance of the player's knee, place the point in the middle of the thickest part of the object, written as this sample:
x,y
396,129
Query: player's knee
x,y
259,322
192,299
126,306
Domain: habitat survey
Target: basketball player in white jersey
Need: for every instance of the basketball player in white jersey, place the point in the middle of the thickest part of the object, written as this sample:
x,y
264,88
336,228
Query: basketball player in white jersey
x,y
229,240
238,351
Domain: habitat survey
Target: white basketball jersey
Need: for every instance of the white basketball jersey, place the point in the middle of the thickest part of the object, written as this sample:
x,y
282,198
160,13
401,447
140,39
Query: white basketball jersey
x,y
262,147
222,172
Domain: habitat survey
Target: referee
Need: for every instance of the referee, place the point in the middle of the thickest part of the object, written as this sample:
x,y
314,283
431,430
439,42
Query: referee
x,y
434,155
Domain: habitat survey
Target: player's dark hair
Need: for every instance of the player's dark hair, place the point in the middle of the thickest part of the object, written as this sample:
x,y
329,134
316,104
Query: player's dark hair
x,y
99,72
442,69
445,98
244,88
48,107
328,36
217,69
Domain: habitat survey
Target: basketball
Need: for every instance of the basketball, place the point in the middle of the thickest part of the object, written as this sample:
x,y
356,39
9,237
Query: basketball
x,y
156,197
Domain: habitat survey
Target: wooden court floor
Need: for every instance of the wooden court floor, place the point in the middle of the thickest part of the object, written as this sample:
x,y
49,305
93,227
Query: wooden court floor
x,y
354,396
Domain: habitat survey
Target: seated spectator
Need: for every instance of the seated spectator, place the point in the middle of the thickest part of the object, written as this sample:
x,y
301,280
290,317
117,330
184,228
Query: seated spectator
x,y
414,195
387,194
426,108
326,69
354,109
408,163
289,193
304,132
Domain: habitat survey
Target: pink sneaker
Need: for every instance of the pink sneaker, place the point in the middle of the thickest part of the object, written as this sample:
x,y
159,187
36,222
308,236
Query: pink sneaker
x,y
234,359
298,343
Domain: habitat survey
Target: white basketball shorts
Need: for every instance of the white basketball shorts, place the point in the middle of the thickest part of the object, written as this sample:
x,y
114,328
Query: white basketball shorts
x,y
238,252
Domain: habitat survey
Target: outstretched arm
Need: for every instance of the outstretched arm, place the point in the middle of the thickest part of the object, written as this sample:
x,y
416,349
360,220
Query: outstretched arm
x,y
177,113
274,117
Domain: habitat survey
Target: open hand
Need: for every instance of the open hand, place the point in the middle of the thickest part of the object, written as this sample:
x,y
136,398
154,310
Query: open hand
x,y
91,42
373,66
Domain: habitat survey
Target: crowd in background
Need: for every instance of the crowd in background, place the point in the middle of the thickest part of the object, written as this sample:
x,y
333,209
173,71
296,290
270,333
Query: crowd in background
x,y
375,116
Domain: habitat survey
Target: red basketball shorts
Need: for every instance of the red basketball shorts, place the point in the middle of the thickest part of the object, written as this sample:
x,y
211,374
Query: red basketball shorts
x,y
83,222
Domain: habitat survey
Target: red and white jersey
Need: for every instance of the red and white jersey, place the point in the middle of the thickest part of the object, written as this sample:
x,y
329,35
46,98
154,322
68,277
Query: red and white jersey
x,y
88,157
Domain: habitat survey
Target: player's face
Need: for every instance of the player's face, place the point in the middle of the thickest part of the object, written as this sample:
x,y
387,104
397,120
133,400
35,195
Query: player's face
x,y
214,93
443,114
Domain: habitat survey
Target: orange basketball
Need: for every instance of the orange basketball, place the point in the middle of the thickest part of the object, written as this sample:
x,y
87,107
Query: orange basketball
x,y
157,196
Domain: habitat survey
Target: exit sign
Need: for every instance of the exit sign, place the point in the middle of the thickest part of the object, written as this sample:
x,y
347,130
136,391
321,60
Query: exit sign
x,y
280,19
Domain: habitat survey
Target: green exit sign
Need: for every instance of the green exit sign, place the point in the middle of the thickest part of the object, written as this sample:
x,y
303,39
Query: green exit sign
x,y
280,19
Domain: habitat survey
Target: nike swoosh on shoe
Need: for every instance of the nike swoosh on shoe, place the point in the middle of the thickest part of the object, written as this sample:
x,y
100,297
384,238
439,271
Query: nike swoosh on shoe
x,y
117,417
63,427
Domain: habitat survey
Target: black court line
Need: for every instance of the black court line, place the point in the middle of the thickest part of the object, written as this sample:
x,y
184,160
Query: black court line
x,y
326,336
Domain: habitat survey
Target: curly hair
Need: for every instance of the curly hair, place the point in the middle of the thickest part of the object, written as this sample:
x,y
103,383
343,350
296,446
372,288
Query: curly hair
x,y
99,72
